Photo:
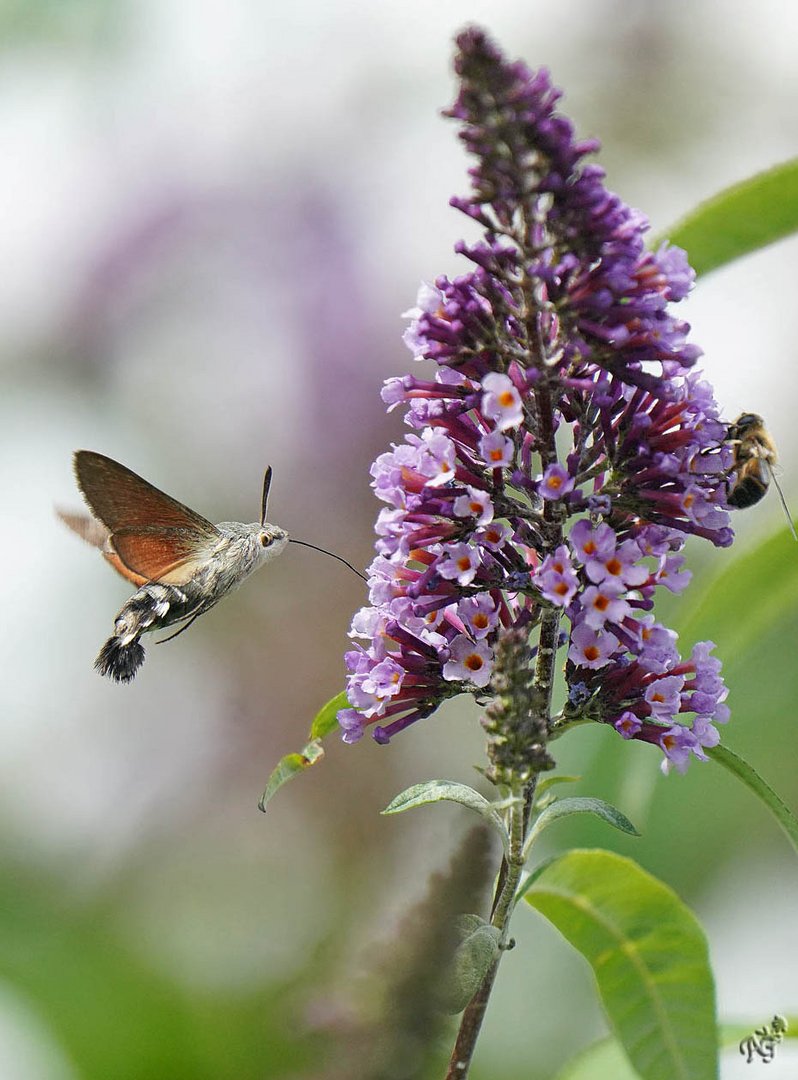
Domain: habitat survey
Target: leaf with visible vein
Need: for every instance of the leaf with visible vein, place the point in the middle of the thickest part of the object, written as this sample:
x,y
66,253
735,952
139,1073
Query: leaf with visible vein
x,y
648,953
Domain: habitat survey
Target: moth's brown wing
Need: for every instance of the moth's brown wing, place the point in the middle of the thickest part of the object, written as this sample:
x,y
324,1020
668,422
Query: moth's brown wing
x,y
154,536
170,556
121,498
91,530
85,526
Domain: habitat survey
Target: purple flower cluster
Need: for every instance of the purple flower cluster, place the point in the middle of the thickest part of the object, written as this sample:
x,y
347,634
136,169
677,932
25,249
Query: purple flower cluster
x,y
559,455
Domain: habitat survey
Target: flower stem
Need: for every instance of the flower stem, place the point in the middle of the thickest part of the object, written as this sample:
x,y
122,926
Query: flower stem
x,y
521,811
506,888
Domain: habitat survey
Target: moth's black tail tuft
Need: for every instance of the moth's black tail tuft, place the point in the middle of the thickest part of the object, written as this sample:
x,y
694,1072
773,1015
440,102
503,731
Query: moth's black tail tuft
x,y
118,661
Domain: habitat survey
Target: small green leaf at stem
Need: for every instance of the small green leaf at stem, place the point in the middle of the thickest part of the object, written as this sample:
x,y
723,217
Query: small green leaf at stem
x,y
545,782
326,719
478,948
763,791
544,792
432,791
649,956
580,805
290,766
741,219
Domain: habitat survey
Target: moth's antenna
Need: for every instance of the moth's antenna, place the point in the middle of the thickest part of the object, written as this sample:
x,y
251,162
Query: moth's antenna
x,y
332,555
784,504
267,483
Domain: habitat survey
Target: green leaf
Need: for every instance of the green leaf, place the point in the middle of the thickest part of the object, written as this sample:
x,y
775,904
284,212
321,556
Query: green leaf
x,y
761,584
580,804
546,782
649,956
764,792
749,611
326,719
476,952
432,791
288,767
740,219
544,795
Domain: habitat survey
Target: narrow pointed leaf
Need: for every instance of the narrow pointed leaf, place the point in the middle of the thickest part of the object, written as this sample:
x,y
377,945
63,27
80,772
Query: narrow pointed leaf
x,y
288,767
547,782
761,788
432,791
326,719
581,805
649,956
741,219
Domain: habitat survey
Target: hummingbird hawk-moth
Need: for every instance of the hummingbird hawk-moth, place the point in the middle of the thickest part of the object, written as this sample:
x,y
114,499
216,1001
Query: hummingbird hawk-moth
x,y
180,563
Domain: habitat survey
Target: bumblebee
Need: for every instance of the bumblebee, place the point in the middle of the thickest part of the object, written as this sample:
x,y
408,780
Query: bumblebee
x,y
755,459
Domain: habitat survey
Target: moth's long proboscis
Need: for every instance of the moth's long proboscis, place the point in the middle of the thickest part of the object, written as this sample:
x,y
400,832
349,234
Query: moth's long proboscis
x,y
332,555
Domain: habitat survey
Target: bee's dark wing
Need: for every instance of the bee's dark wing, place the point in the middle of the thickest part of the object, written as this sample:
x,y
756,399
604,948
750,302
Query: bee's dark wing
x,y
154,537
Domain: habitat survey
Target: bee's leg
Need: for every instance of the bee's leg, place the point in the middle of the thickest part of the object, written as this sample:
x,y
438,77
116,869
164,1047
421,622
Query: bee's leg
x,y
123,654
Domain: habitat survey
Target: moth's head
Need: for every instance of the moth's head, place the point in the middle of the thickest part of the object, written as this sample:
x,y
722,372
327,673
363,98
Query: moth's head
x,y
250,546
271,540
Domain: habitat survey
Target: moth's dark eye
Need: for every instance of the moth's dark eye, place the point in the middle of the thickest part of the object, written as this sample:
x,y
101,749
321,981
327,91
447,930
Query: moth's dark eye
x,y
265,540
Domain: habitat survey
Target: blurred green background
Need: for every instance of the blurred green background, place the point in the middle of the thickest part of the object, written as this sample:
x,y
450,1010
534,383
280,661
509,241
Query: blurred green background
x,y
211,216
